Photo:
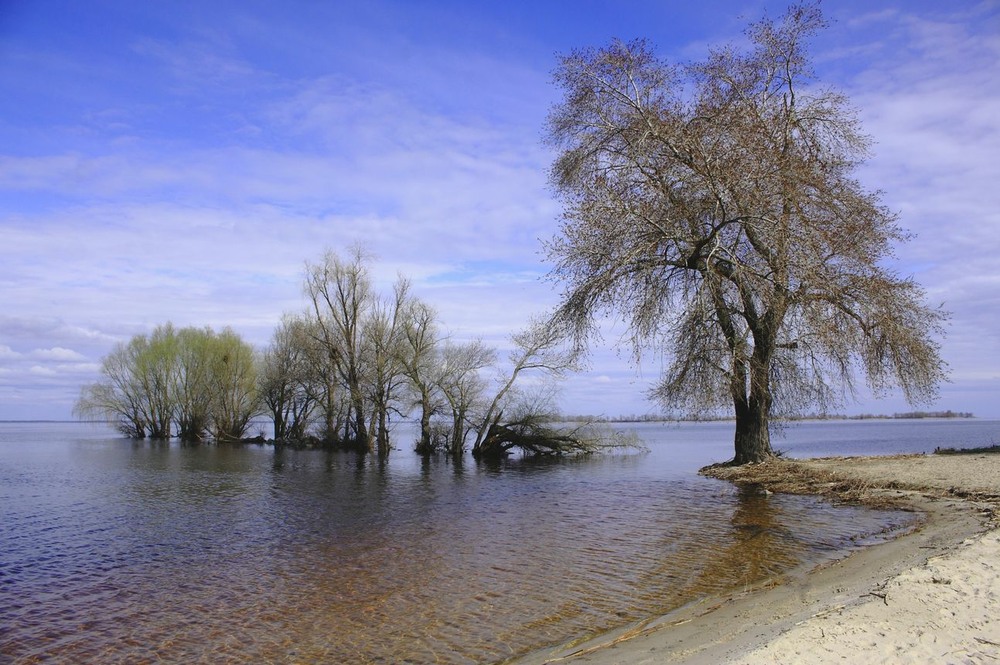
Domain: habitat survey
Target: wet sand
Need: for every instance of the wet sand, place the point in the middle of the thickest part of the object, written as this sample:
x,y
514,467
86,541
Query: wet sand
x,y
930,595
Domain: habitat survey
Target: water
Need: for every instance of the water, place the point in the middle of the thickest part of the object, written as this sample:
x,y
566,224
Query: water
x,y
115,551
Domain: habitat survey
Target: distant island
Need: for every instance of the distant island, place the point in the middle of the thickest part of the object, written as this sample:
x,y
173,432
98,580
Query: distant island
x,y
658,418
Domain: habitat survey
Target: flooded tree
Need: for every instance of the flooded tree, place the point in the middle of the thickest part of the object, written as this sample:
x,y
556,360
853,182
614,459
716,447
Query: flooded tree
x,y
383,347
192,384
117,397
463,388
714,207
186,381
154,364
420,357
323,381
527,424
539,348
286,379
234,398
340,293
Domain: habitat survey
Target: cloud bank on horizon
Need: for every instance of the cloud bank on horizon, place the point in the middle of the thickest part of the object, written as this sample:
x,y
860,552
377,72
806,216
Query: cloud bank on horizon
x,y
182,161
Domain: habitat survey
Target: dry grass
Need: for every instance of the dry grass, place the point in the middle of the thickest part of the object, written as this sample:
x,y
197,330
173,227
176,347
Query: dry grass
x,y
790,477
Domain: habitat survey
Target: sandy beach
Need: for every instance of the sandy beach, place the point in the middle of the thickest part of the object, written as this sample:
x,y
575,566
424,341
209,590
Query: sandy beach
x,y
929,596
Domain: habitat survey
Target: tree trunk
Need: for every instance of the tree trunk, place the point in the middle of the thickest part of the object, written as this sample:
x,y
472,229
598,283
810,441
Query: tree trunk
x,y
424,445
382,433
753,415
456,443
753,437
361,439
280,427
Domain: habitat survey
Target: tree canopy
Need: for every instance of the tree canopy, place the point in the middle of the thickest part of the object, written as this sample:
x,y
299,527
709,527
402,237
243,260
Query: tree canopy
x,y
714,207
192,381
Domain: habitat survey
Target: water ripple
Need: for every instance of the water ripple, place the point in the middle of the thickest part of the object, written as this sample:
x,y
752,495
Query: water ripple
x,y
120,553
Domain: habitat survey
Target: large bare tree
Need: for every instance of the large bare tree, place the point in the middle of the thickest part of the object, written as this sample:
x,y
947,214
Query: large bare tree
x,y
714,207
340,292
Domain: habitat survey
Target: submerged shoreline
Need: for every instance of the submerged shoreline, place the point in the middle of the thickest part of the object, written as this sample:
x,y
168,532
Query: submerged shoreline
x,y
924,596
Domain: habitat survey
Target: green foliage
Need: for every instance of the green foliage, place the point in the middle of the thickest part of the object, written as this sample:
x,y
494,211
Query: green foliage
x,y
186,381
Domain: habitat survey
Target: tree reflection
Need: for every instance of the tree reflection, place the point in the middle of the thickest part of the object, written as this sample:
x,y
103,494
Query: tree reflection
x,y
755,545
760,547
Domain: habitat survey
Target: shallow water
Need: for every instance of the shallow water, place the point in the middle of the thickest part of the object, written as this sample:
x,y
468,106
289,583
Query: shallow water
x,y
115,551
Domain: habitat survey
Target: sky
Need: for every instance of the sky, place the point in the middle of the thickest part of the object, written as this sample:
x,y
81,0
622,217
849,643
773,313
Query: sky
x,y
182,161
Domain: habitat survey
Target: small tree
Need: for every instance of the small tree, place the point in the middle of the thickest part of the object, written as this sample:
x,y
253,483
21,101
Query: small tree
x,y
153,364
192,387
420,358
463,388
714,208
285,379
340,294
116,397
383,340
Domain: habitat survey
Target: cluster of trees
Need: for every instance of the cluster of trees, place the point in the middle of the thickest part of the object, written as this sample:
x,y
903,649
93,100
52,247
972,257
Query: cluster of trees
x,y
358,357
338,373
193,381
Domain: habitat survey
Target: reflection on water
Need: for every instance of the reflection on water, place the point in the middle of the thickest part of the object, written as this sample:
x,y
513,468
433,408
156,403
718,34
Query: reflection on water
x,y
114,551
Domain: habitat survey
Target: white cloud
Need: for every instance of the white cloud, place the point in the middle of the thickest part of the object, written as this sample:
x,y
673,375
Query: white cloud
x,y
57,354
7,353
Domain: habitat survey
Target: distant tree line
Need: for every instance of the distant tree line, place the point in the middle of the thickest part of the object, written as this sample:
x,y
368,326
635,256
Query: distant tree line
x,y
659,417
916,415
337,374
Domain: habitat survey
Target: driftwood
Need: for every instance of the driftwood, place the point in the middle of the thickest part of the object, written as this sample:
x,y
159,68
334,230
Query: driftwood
x,y
532,440
533,437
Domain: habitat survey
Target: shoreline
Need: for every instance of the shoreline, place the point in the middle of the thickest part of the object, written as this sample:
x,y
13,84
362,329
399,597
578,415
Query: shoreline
x,y
853,605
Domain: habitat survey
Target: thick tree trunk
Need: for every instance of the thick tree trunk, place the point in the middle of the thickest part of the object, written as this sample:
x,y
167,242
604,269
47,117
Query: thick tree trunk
x,y
753,415
753,436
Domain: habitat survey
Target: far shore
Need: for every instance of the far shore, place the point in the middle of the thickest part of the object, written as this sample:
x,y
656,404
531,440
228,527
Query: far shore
x,y
930,595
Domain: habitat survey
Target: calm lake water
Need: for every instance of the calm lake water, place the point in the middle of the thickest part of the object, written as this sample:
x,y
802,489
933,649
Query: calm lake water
x,y
115,551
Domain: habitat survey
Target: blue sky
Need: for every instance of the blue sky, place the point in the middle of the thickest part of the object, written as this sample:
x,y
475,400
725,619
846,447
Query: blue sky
x,y
181,161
